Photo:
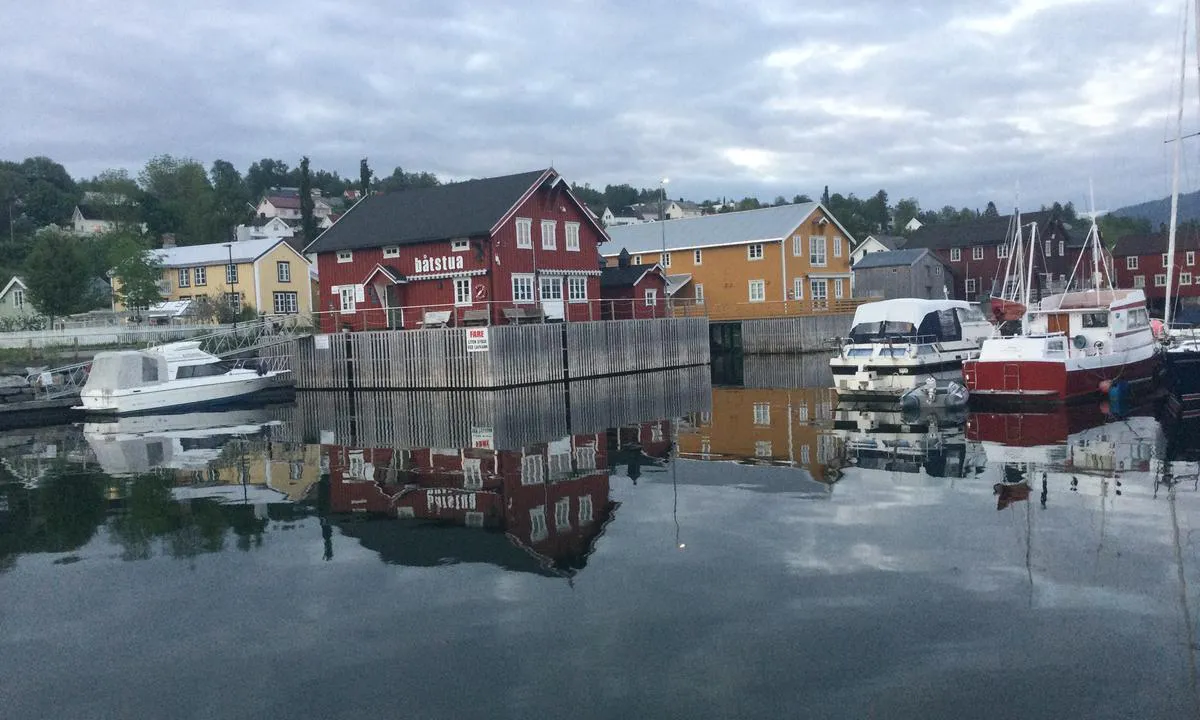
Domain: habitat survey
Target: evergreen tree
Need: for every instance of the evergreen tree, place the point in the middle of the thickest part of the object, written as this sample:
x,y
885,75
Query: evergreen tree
x,y
825,197
308,223
364,177
56,273
990,211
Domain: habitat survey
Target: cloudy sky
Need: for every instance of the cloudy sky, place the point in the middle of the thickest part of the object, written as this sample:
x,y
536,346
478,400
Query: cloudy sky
x,y
951,101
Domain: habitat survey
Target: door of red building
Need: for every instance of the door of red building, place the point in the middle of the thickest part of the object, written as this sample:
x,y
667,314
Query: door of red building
x,y
551,295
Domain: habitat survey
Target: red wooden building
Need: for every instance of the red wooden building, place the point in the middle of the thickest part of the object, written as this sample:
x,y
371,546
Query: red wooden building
x,y
497,250
977,252
632,292
1141,262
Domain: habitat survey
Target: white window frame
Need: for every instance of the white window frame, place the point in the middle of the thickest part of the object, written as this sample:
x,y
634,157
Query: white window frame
x,y
231,274
1049,249
525,233
817,251
1164,259
637,259
346,299
969,287
585,510
699,293
798,288
977,252
762,414
665,259
18,298
283,271
955,254
1001,251
538,529
200,276
697,258
1131,262
460,245
1185,278
797,245
391,251
818,297
837,245
1062,248
754,252
1160,280
462,292
1189,259
290,304
549,234
760,286
345,256
185,277
650,297
522,282
839,288
571,237
562,514
576,289
1139,282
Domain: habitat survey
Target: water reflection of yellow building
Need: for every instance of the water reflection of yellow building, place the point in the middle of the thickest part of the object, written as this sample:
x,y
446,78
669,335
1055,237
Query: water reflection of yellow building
x,y
773,425
291,469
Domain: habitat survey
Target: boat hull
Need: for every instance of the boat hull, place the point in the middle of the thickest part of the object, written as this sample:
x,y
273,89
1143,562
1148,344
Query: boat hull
x,y
1183,381
171,396
1050,381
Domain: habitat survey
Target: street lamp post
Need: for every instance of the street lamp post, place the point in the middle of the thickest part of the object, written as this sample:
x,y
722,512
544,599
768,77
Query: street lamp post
x,y
231,279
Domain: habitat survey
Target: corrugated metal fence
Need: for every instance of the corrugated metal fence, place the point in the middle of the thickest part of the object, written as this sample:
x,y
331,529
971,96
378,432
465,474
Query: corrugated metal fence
x,y
811,333
513,355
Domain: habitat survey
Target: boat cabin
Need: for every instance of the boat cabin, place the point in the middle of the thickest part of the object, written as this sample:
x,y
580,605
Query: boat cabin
x,y
1093,321
918,321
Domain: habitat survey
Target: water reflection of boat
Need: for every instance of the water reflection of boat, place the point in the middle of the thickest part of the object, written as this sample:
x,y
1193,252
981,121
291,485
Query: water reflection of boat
x,y
1123,445
139,444
928,441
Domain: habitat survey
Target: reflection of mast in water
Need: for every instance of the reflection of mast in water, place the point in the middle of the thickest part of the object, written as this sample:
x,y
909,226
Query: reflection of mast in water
x,y
1169,481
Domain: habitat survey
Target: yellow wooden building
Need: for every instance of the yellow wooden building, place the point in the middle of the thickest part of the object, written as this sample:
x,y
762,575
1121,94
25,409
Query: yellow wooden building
x,y
786,260
267,275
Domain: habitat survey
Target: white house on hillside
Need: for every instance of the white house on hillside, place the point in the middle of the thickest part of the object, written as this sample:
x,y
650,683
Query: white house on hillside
x,y
285,203
873,244
263,228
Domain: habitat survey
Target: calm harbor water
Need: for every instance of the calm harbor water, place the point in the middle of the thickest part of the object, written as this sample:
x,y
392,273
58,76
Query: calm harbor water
x,y
655,546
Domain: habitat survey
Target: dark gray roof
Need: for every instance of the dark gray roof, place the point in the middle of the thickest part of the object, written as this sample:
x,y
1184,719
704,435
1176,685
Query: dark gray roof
x,y
993,231
623,276
1156,243
892,258
891,242
466,209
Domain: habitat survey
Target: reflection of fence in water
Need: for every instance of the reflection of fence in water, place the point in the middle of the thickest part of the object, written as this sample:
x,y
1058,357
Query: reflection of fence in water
x,y
503,419
806,371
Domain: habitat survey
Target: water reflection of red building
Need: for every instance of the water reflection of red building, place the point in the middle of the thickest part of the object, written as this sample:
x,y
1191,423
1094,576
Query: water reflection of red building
x,y
550,499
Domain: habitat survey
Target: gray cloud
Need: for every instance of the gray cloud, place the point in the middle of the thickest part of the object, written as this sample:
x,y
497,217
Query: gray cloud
x,y
951,102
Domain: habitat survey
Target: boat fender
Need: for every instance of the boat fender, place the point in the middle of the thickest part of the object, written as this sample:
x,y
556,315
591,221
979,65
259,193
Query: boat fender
x,y
1099,345
261,370
1079,341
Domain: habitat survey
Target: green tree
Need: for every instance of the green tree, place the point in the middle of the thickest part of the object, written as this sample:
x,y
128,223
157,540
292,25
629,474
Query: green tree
x,y
56,269
183,196
619,196
801,199
116,197
308,222
136,273
825,197
230,199
266,174
905,211
990,211
50,195
364,177
779,200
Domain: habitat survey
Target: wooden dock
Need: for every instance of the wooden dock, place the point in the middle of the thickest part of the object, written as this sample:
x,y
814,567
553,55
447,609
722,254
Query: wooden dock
x,y
495,357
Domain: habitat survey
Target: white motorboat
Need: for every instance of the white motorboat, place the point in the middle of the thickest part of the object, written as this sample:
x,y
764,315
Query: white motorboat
x,y
170,377
896,345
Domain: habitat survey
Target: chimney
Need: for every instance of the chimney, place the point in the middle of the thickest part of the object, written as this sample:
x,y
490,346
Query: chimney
x,y
623,258
168,240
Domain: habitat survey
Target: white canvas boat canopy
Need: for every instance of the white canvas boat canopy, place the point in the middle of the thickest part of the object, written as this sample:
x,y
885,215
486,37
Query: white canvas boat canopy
x,y
904,310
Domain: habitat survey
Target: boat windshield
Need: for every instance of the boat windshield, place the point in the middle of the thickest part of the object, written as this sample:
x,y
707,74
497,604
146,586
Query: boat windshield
x,y
206,370
880,331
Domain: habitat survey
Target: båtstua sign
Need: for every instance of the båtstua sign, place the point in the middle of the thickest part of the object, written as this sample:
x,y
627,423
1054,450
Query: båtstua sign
x,y
445,263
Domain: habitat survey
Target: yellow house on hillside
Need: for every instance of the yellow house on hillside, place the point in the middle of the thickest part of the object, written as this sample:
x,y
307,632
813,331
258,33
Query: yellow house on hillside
x,y
779,260
267,275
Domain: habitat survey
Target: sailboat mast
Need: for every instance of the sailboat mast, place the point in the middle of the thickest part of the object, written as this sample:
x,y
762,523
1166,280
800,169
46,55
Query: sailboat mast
x,y
1178,154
